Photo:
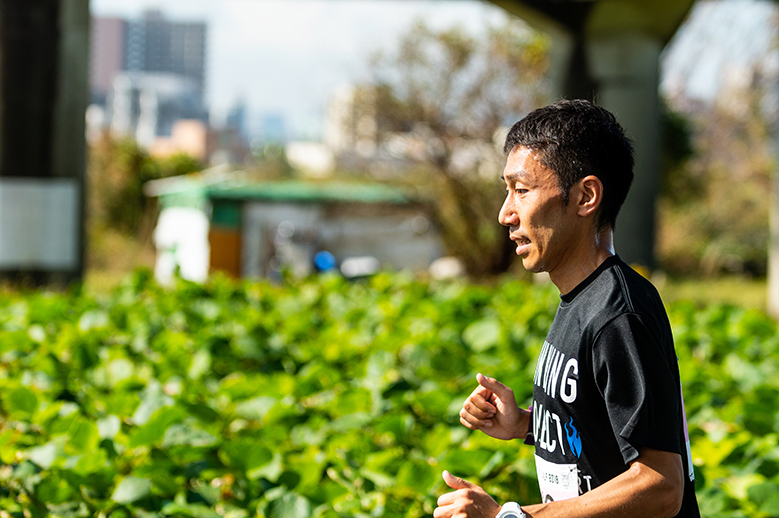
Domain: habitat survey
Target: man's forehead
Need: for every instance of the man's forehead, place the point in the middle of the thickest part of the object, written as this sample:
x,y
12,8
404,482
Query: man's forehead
x,y
519,161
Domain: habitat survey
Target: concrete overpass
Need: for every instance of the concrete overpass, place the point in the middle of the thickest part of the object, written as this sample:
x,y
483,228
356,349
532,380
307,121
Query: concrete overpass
x,y
607,50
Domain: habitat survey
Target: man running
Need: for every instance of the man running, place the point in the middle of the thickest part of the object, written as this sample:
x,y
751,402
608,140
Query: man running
x,y
607,419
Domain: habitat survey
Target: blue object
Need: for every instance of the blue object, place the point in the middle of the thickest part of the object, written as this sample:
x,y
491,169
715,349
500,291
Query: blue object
x,y
574,438
324,261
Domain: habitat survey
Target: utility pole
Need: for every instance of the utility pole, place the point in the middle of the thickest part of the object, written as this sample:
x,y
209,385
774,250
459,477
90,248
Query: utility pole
x,y
44,67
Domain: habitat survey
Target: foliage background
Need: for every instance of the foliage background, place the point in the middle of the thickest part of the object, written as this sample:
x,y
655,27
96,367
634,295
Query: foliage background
x,y
324,398
120,218
713,212
436,110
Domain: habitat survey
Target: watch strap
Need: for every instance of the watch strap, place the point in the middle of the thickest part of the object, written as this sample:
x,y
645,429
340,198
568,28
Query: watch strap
x,y
510,510
530,439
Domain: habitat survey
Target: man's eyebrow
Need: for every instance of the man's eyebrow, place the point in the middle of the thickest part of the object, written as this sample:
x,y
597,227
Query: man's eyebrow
x,y
512,176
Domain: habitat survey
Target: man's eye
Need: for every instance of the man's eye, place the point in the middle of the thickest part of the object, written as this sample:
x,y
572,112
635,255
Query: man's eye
x,y
509,191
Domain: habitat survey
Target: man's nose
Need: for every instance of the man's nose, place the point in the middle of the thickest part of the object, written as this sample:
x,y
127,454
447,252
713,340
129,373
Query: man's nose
x,y
508,215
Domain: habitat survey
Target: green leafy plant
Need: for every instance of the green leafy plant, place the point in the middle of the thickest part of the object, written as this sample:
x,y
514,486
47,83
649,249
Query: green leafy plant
x,y
323,398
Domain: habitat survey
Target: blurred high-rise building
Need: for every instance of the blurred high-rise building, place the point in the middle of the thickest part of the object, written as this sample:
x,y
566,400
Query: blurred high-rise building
x,y
146,74
148,44
273,128
108,56
154,44
236,119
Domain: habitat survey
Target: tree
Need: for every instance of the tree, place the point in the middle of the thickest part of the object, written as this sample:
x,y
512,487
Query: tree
x,y
120,217
713,208
442,99
116,175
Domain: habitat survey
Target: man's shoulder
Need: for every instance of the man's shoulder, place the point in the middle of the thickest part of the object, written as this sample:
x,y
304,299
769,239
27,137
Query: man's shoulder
x,y
624,283
640,294
614,290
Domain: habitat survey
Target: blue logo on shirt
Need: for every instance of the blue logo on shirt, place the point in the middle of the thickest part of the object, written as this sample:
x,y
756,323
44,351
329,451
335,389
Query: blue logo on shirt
x,y
574,438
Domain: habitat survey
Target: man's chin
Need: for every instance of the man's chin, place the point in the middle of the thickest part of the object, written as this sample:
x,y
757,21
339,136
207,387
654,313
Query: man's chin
x,y
532,266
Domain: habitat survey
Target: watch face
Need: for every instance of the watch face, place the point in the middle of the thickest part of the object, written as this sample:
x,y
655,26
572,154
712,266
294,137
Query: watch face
x,y
511,510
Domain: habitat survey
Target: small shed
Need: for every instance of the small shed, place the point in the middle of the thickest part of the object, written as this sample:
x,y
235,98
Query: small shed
x,y
220,221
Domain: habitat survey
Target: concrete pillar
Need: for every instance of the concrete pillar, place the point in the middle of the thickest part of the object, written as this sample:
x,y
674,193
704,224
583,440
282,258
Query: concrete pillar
x,y
625,68
44,60
562,51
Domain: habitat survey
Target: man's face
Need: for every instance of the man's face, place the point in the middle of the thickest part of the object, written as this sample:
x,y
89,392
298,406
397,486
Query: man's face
x,y
540,223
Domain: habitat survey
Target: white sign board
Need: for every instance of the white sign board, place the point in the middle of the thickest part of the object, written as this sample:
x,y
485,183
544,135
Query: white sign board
x,y
181,238
39,223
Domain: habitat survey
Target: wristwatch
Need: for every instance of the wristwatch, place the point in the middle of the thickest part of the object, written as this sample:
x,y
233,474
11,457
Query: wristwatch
x,y
510,510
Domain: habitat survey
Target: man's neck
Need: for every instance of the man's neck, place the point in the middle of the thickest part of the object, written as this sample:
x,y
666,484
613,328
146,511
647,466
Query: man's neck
x,y
584,259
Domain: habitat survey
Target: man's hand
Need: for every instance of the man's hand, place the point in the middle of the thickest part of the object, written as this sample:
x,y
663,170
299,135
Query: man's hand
x,y
467,501
492,408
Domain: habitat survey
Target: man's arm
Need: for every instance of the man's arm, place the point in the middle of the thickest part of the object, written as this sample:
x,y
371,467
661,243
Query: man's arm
x,y
652,487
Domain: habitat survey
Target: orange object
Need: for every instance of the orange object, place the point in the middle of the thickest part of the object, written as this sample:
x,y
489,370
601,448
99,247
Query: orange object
x,y
225,255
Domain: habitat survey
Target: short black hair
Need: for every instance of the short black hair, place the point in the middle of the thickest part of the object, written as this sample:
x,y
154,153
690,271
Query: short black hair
x,y
577,138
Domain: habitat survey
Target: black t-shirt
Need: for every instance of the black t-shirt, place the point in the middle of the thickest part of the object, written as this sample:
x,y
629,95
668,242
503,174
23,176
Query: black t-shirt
x,y
606,384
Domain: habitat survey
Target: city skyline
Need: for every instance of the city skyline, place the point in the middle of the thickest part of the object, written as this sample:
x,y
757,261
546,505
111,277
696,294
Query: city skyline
x,y
147,74
283,59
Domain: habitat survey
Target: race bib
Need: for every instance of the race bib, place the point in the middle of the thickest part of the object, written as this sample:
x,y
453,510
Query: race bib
x,y
557,481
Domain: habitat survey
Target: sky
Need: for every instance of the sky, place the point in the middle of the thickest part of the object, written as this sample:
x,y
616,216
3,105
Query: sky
x,y
286,56
719,41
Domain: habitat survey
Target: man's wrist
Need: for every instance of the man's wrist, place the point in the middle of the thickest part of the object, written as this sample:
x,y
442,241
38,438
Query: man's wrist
x,y
510,510
527,434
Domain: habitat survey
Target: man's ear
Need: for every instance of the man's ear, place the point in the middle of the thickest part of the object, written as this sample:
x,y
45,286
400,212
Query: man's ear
x,y
591,195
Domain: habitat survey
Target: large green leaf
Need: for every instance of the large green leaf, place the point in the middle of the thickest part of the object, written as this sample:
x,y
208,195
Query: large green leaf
x,y
20,401
91,462
201,363
245,454
289,505
185,509
766,496
187,434
47,454
466,463
108,426
84,437
483,334
353,421
131,489
155,428
418,475
153,399
53,490
255,408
